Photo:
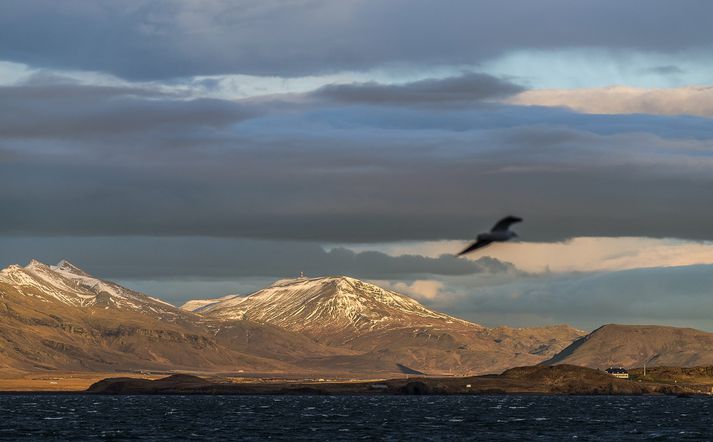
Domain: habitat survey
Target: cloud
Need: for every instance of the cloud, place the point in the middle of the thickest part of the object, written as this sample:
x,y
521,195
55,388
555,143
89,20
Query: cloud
x,y
62,110
137,258
421,289
583,254
604,254
466,89
167,39
689,100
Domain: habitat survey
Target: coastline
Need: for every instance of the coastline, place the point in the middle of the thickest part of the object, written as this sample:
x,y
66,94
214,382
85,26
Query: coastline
x,y
531,380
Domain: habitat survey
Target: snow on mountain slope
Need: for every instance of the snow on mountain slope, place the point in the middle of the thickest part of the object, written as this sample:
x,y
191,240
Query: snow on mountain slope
x,y
70,285
331,305
197,305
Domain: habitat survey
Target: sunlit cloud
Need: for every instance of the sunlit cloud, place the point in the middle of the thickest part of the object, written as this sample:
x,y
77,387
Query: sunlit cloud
x,y
584,254
421,289
689,100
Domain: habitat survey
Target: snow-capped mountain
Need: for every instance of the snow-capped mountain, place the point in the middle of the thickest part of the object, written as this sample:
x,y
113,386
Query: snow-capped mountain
x,y
385,326
333,304
70,285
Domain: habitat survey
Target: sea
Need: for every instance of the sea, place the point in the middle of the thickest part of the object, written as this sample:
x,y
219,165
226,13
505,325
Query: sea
x,y
333,418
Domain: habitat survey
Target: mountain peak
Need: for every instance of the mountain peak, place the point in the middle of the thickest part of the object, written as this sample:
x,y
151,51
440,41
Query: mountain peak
x,y
66,266
314,280
34,263
12,268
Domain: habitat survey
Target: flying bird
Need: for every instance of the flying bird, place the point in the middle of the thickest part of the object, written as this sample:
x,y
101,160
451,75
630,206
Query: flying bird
x,y
499,233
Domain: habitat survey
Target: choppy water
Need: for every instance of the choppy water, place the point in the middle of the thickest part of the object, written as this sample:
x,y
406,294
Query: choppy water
x,y
80,417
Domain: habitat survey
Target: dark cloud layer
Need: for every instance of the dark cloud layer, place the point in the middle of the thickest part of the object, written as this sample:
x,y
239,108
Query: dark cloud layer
x,y
91,161
141,39
466,89
150,258
66,110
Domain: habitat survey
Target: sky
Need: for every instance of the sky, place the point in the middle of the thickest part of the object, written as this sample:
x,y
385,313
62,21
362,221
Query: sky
x,y
195,149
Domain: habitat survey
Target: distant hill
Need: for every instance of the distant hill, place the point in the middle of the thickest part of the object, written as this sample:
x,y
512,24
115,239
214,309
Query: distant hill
x,y
632,345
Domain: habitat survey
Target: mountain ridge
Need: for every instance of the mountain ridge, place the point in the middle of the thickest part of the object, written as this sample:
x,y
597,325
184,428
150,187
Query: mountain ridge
x,y
60,317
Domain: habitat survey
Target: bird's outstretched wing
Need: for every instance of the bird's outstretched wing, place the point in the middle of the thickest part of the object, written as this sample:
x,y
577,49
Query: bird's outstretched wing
x,y
504,224
476,245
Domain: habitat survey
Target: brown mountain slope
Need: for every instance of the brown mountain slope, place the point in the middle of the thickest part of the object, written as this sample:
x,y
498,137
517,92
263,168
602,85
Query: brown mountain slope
x,y
634,345
459,351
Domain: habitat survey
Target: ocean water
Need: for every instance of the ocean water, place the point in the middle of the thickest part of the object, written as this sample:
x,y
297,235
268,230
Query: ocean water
x,y
83,417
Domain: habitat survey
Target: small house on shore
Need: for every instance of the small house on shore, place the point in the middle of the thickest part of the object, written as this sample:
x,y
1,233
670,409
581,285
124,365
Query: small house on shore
x,y
618,372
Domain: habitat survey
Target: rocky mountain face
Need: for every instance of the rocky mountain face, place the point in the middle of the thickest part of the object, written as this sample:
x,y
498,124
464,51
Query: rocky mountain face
x,y
634,345
61,318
